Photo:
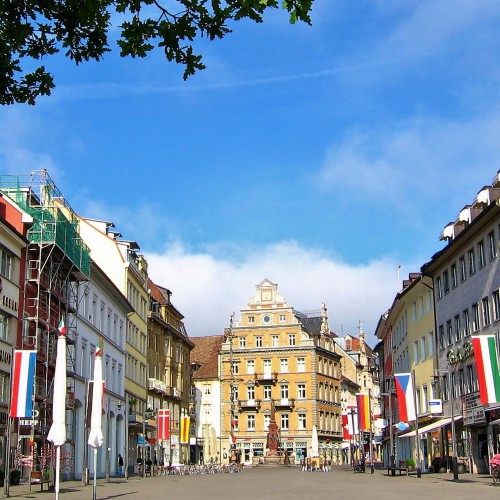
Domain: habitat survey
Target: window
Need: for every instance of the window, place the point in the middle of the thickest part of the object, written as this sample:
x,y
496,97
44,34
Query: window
x,y
458,328
475,317
251,393
207,390
470,378
284,421
243,342
423,349
461,382
486,311
282,318
414,310
492,246
234,393
301,391
418,401
441,337
430,337
446,282
471,257
291,339
251,422
234,368
454,277
267,421
275,340
449,332
463,273
415,352
284,365
6,263
444,388
439,288
250,366
301,364
4,327
284,391
301,421
267,392
480,254
258,341
251,319
496,305
267,368
425,399
466,322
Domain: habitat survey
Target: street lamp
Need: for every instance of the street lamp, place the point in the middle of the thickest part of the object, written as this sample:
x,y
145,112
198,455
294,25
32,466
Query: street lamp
x,y
452,414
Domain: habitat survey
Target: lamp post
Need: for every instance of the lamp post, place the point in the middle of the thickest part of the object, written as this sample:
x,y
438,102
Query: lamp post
x,y
452,414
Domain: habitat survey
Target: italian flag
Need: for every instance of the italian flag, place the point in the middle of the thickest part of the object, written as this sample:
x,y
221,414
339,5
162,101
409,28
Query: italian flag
x,y
62,327
488,374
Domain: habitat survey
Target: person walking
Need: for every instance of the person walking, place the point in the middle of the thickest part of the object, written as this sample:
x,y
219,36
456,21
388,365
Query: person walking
x,y
120,465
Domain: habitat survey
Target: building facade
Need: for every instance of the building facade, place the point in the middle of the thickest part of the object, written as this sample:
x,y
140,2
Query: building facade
x,y
278,361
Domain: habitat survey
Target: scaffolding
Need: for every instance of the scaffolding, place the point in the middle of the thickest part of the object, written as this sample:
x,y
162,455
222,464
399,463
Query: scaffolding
x,y
57,262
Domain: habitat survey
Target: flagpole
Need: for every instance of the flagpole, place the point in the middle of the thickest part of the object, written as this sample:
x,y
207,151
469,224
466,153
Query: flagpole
x,y
94,486
372,466
419,464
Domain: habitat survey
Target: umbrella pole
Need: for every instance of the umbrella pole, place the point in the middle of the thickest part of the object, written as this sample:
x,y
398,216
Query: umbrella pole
x,y
58,467
94,487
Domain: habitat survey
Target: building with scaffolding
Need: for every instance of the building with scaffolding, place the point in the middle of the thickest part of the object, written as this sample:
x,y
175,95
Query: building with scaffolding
x,y
56,262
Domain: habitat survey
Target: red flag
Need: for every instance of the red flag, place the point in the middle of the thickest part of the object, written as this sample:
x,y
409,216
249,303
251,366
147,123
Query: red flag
x,y
164,425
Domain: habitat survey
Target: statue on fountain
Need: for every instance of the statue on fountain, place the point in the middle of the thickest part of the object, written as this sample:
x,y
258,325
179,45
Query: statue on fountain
x,y
272,435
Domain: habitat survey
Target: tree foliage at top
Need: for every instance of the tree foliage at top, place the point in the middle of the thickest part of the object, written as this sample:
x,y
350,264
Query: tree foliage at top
x,y
31,30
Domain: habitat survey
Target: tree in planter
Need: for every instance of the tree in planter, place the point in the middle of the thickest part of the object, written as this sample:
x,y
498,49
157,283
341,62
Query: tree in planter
x,y
411,463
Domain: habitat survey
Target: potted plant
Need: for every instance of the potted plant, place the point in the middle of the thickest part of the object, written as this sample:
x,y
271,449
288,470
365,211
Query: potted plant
x,y
14,477
410,463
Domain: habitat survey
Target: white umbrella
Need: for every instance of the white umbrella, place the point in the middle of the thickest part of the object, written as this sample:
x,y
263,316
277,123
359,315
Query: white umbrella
x,y
315,443
57,433
95,435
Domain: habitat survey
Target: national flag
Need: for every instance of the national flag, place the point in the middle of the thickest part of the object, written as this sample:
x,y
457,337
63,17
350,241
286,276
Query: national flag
x,y
404,393
185,422
363,401
487,367
346,428
164,425
62,327
23,376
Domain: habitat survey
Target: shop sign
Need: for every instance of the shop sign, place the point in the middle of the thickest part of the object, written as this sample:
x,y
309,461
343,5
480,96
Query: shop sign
x,y
473,410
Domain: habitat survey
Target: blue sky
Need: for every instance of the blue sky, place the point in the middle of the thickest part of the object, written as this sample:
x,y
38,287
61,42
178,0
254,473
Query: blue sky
x,y
319,157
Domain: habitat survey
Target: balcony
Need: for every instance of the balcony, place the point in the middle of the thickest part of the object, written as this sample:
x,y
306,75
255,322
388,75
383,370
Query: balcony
x,y
284,404
174,393
249,404
266,377
157,385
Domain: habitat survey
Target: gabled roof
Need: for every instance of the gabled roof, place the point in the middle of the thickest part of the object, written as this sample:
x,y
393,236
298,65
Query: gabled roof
x,y
205,355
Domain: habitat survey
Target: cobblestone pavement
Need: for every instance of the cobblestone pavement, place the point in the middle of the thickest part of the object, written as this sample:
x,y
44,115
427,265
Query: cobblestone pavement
x,y
278,483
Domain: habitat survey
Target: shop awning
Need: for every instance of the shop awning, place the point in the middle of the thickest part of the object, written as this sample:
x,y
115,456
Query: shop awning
x,y
430,427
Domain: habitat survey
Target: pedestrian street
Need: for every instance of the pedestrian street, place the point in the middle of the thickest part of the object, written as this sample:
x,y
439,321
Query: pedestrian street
x,y
278,483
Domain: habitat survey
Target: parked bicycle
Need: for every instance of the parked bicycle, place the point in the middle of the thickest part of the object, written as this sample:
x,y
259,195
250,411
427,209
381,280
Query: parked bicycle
x,y
495,468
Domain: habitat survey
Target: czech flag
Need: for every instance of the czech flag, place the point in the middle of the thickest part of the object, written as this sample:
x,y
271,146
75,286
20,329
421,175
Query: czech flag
x,y
23,376
363,401
488,374
404,393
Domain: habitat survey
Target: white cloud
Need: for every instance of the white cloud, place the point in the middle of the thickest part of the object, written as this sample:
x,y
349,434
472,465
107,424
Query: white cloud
x,y
207,288
414,161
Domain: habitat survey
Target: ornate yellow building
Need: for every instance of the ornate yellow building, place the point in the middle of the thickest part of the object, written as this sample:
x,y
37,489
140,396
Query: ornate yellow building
x,y
278,357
